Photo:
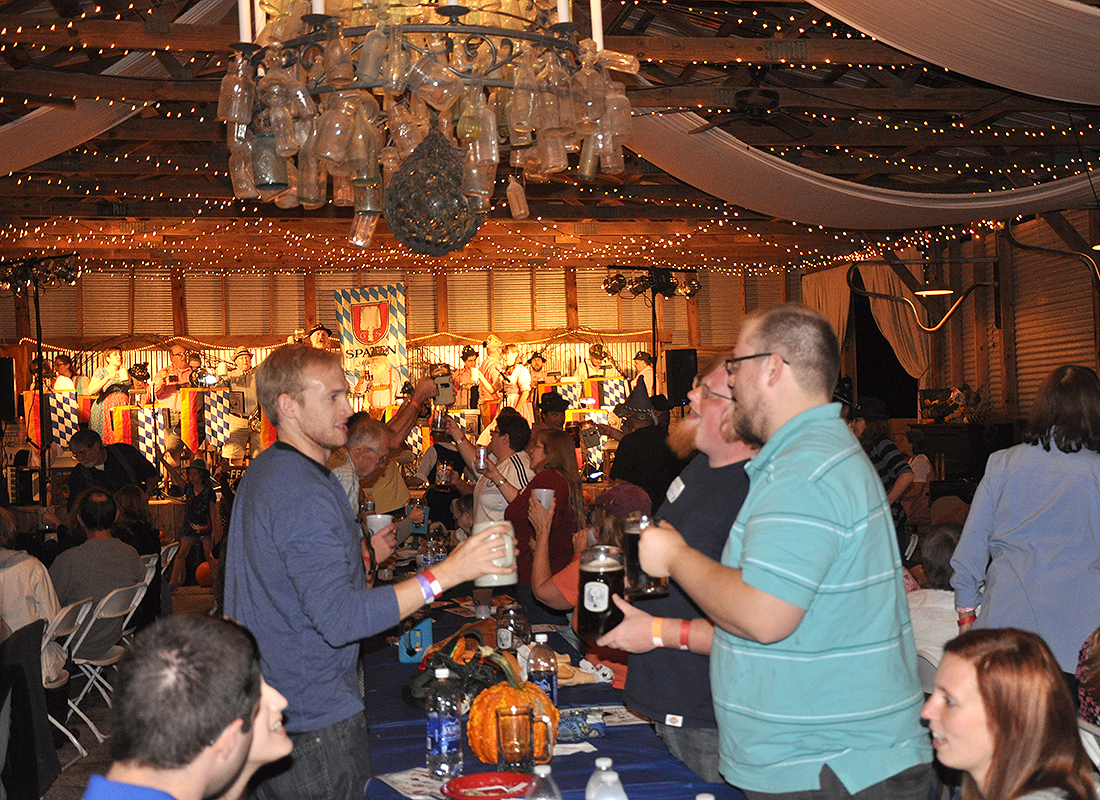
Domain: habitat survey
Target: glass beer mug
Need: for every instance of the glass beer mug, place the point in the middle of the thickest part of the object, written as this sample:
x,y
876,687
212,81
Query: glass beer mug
x,y
602,574
639,583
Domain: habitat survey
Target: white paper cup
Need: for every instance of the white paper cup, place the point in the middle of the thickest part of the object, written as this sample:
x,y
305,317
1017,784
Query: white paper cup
x,y
507,560
376,522
544,496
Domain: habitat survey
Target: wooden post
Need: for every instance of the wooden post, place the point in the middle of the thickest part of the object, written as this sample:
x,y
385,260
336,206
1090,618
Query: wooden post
x,y
23,318
572,316
309,298
179,303
1003,275
694,337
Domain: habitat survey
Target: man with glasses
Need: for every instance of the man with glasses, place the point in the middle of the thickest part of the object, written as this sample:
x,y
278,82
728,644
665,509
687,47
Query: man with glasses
x,y
192,716
367,448
167,383
813,666
109,467
668,638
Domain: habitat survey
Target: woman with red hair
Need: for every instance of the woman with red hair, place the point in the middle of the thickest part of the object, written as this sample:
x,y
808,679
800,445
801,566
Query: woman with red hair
x,y
1002,713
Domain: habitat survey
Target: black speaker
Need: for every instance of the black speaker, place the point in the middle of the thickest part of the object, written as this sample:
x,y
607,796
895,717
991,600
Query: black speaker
x,y
7,390
681,366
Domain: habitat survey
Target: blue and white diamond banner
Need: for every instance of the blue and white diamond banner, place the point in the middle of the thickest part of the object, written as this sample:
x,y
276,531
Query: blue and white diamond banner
x,y
215,416
64,415
149,425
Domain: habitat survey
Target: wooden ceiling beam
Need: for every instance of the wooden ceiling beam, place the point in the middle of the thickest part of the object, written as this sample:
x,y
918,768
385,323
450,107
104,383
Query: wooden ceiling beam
x,y
104,34
819,52
848,101
108,87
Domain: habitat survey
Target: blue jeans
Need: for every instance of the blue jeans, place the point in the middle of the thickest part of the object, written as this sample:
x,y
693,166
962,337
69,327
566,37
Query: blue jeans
x,y
332,763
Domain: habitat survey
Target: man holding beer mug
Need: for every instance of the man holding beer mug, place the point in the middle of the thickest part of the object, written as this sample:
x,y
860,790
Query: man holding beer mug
x,y
294,575
813,666
668,641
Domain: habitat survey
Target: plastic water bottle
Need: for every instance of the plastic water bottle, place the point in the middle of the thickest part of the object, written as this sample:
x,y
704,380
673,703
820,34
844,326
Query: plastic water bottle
x,y
604,783
543,787
542,667
444,756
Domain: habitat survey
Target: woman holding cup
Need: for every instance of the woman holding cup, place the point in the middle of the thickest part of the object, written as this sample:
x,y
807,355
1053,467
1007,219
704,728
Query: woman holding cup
x,y
554,462
1002,713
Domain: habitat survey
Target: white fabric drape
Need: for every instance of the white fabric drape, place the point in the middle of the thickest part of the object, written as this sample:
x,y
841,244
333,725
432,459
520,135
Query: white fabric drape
x,y
50,131
1046,48
894,319
827,291
727,168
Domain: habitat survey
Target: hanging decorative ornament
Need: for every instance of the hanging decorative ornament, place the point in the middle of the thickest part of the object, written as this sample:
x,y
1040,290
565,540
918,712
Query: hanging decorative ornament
x,y
425,206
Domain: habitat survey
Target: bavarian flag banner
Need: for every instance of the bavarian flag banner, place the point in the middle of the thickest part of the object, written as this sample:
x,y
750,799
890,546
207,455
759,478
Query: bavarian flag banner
x,y
191,426
141,426
64,416
372,322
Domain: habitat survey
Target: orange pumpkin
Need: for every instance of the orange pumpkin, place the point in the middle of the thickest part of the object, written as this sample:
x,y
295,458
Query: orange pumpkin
x,y
481,729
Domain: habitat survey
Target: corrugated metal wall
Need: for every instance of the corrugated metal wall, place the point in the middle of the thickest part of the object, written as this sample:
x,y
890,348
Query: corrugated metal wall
x,y
1054,316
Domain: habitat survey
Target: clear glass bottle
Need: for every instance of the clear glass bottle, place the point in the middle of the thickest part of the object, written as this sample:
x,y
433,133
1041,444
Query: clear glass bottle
x,y
312,177
339,67
238,92
588,92
517,199
395,76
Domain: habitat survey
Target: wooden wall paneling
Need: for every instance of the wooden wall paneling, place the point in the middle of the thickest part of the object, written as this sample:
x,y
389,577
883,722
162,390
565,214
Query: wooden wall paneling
x,y
1004,276
982,317
572,314
742,283
270,301
442,309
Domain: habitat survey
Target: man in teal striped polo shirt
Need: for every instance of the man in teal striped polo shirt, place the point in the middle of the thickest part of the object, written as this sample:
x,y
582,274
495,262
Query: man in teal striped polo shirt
x,y
813,666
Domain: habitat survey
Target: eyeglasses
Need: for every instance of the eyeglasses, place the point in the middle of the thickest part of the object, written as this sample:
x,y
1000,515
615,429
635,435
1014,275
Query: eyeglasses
x,y
708,392
734,364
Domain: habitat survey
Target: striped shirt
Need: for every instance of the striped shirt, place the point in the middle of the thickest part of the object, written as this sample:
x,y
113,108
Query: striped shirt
x,y
489,503
842,689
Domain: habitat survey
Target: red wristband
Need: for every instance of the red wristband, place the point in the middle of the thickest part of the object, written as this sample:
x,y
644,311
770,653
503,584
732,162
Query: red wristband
x,y
967,620
685,632
415,405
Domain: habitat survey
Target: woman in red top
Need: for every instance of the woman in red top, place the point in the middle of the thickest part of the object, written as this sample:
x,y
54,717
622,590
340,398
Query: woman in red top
x,y
554,459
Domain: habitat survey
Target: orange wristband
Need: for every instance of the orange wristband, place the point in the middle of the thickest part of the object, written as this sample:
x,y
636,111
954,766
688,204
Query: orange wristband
x,y
655,632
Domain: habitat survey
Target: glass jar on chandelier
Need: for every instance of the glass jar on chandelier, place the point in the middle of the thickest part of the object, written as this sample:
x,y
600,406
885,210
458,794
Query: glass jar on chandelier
x,y
501,76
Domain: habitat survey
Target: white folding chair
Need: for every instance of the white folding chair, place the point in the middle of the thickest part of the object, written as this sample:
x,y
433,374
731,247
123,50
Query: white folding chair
x,y
167,556
150,562
65,625
119,604
1090,738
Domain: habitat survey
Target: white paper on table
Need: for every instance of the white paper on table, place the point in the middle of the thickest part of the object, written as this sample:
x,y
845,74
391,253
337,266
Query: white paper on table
x,y
416,783
573,747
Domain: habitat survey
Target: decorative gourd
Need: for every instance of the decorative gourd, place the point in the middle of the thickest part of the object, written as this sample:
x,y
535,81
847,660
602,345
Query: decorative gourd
x,y
481,730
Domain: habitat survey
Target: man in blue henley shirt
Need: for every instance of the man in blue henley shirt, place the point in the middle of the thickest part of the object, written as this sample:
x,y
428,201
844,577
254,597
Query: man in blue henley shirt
x,y
295,576
813,666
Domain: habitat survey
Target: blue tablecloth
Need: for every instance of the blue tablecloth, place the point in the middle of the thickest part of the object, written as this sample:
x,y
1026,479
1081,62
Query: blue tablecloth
x,y
645,767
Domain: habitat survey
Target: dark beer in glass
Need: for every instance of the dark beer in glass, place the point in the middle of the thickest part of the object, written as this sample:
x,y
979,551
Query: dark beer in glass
x,y
639,583
602,574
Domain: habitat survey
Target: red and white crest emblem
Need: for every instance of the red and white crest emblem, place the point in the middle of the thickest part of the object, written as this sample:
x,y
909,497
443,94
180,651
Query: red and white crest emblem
x,y
370,321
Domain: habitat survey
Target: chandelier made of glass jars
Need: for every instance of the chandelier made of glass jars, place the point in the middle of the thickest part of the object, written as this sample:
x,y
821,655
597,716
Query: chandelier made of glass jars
x,y
410,118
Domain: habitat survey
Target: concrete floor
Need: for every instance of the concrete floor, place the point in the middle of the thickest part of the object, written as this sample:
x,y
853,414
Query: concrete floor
x,y
70,785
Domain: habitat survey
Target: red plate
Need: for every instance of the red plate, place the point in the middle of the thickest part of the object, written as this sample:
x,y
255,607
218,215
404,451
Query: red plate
x,y
487,786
